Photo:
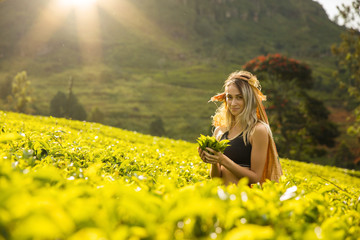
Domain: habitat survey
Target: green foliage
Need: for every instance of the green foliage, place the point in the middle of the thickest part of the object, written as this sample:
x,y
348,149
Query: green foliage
x,y
211,142
299,121
344,157
74,109
157,127
323,131
62,179
348,56
58,105
97,115
20,97
67,106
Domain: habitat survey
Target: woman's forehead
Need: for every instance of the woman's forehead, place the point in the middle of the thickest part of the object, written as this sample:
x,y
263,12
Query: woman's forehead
x,y
232,89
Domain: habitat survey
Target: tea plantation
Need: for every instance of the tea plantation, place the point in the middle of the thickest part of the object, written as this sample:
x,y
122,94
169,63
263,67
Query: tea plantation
x,y
62,179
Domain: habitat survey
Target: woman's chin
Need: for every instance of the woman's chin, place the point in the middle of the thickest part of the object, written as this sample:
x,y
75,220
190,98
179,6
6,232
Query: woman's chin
x,y
235,112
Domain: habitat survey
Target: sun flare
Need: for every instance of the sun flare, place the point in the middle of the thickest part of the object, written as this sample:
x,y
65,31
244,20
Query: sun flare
x,y
77,3
84,14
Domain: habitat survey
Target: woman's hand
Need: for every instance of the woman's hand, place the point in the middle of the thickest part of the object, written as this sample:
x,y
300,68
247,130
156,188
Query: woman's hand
x,y
215,157
201,154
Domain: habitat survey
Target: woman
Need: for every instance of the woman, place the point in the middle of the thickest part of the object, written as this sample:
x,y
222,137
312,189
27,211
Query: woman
x,y
242,120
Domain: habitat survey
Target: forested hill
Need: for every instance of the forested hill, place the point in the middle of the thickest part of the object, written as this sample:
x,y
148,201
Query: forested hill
x,y
146,61
298,28
180,28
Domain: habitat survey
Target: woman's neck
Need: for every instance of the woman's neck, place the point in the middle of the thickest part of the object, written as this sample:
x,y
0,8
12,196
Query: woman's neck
x,y
236,129
236,125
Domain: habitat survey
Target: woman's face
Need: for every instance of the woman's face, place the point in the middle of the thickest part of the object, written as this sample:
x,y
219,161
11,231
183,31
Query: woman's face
x,y
234,99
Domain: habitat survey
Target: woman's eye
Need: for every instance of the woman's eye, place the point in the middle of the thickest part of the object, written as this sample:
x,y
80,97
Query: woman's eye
x,y
239,97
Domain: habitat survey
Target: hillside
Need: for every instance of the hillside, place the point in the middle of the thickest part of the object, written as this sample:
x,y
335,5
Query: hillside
x,y
63,179
140,60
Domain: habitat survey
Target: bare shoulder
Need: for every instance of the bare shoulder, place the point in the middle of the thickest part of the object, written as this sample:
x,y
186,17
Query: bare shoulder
x,y
261,132
261,128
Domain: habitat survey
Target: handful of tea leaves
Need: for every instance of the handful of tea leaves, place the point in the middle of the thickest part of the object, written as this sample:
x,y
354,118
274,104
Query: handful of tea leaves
x,y
211,142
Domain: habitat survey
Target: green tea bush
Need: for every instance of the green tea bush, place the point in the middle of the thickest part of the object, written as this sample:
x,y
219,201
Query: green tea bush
x,y
211,142
62,179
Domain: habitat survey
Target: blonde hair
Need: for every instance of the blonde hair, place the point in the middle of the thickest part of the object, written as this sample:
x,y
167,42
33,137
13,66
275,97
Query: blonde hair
x,y
248,118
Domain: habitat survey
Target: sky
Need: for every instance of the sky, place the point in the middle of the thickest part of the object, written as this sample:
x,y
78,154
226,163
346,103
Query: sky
x,y
330,6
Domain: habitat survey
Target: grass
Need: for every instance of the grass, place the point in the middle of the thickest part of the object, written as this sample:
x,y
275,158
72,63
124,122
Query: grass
x,y
77,180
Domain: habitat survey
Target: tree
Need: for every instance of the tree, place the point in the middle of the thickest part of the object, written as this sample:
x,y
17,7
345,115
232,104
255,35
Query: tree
x,y
58,104
75,110
20,97
97,115
157,127
300,122
67,106
348,56
344,157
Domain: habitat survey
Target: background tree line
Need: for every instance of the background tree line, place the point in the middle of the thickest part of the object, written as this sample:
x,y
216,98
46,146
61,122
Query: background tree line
x,y
348,71
16,95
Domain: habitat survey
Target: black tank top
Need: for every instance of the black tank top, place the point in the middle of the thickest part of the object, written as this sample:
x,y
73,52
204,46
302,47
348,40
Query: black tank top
x,y
238,151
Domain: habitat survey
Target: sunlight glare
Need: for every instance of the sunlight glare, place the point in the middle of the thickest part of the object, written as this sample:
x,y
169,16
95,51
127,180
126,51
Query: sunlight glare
x,y
77,3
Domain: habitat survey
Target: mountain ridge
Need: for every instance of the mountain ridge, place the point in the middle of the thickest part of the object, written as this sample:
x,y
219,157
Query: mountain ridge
x,y
149,59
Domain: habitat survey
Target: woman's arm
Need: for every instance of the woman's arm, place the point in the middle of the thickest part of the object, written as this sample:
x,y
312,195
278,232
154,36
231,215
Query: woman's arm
x,y
259,141
215,170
